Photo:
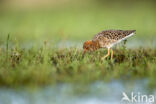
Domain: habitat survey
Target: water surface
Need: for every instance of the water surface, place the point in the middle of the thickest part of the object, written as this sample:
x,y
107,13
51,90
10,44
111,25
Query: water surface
x,y
95,93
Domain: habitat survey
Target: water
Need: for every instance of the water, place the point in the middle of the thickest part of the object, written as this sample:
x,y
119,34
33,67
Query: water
x,y
131,43
95,93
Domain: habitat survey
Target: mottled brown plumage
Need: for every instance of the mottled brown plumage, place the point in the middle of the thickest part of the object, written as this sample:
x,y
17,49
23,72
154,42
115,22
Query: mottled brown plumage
x,y
107,39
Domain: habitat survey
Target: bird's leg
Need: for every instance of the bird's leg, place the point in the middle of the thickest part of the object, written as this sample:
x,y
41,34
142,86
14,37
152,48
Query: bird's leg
x,y
107,54
111,53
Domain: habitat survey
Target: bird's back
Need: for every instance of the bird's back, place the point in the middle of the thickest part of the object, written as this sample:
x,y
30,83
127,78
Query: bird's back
x,y
109,37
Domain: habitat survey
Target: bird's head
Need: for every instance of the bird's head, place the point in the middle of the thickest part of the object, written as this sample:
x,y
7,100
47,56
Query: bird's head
x,y
90,46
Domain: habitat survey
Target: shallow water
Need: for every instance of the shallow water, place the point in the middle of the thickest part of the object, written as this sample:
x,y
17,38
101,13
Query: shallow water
x,y
133,43
95,93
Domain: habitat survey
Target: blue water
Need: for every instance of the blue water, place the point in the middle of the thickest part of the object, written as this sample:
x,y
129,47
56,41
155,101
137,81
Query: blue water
x,y
131,43
95,93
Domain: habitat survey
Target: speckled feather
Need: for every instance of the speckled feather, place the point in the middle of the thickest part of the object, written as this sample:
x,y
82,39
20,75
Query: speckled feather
x,y
108,38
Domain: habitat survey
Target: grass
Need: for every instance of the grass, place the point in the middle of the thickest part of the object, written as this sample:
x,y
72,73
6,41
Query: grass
x,y
44,66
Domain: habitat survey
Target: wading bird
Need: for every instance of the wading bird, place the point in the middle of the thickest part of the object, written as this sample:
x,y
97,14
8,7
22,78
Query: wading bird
x,y
107,39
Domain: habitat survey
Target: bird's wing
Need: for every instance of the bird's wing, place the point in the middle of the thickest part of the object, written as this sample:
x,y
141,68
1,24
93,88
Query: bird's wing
x,y
113,34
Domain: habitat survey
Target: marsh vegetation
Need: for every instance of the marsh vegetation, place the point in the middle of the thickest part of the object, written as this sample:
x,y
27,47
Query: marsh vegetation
x,y
43,66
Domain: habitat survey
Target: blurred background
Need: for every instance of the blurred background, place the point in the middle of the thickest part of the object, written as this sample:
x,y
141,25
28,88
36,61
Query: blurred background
x,y
34,21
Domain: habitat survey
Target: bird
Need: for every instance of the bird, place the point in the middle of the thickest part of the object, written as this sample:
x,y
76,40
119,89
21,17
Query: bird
x,y
107,39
